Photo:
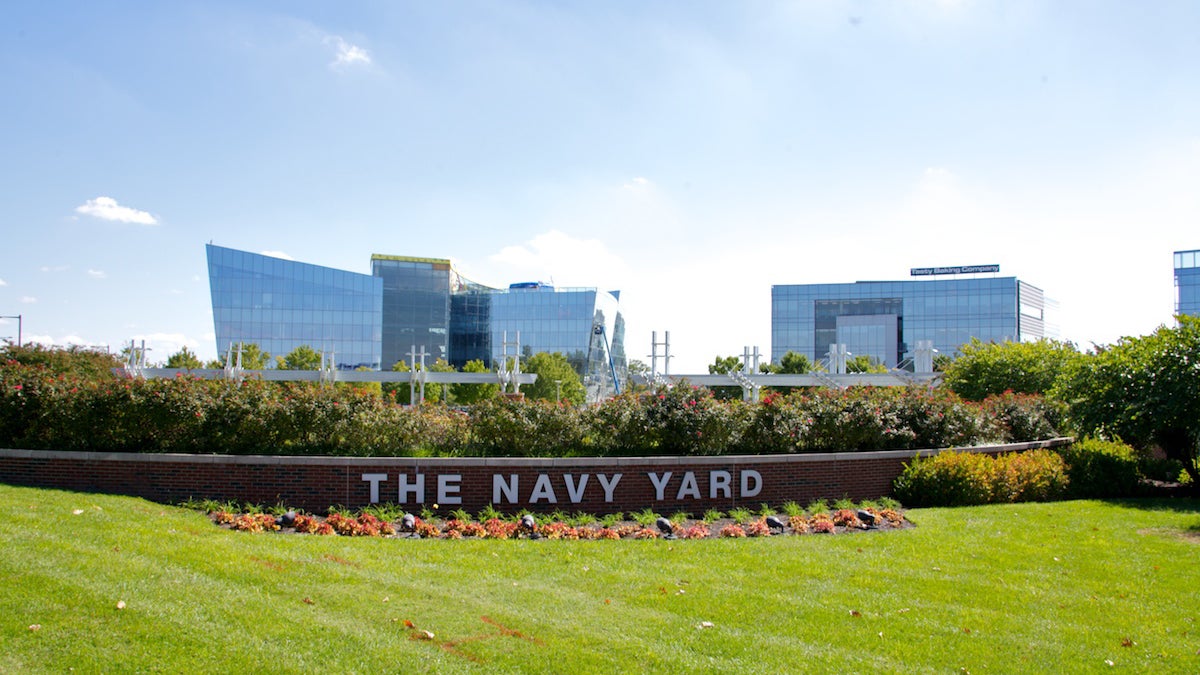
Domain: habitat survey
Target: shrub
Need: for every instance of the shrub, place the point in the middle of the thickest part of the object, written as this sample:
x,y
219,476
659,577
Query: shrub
x,y
1033,476
968,478
512,428
946,479
1023,417
1099,469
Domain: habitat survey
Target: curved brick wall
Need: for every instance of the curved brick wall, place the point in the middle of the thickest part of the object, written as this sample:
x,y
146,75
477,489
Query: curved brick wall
x,y
591,484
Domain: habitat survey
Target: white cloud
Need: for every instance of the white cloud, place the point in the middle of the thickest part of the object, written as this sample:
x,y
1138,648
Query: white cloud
x,y
638,183
57,268
3,282
347,54
160,346
277,254
564,260
107,208
28,300
97,274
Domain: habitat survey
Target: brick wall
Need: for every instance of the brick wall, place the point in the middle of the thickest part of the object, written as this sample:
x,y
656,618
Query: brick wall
x,y
595,485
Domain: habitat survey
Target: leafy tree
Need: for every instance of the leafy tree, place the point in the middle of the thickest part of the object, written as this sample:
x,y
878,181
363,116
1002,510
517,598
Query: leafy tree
x,y
553,370
723,365
863,364
1142,390
983,369
792,363
253,357
300,358
403,391
470,394
184,358
435,391
635,367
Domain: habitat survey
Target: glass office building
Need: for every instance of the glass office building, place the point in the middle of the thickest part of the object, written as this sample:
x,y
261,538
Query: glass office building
x,y
885,319
1187,283
583,324
411,304
281,305
416,307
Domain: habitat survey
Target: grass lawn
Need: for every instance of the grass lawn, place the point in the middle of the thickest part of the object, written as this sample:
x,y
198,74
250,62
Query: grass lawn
x,y
1063,587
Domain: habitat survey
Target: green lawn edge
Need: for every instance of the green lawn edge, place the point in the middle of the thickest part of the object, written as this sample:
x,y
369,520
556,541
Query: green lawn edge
x,y
1078,586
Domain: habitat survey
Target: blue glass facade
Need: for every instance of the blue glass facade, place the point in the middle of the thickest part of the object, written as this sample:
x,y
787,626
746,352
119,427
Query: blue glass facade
x,y
416,307
583,324
885,319
281,305
408,303
1187,283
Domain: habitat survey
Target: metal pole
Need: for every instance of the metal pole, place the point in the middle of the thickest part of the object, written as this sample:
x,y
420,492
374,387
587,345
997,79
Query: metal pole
x,y
18,318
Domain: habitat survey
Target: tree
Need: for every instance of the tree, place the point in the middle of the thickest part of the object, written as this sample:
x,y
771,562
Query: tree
x,y
982,369
184,358
556,381
1142,390
723,366
403,391
253,357
300,358
863,364
470,394
635,367
792,363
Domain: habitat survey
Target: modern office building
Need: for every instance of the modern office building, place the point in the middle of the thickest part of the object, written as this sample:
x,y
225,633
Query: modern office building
x,y
412,306
1187,283
281,304
885,319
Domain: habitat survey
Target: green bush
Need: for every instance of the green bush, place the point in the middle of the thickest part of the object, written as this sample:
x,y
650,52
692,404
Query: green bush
x,y
1023,417
45,404
1033,476
946,479
968,478
515,428
1100,469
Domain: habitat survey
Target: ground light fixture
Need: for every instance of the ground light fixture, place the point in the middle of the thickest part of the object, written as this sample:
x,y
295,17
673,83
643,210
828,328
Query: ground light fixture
x,y
408,525
665,527
529,526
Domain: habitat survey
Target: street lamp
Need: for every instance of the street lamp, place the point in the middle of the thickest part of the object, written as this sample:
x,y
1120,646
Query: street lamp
x,y
18,318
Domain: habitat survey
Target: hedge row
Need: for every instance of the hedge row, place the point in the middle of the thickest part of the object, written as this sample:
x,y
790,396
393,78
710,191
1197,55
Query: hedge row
x,y
41,409
1089,468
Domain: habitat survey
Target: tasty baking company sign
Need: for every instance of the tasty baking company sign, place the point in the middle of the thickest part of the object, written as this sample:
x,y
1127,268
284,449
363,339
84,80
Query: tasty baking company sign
x,y
961,269
566,488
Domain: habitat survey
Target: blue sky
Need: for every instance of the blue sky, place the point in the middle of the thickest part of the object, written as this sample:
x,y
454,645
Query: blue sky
x,y
689,154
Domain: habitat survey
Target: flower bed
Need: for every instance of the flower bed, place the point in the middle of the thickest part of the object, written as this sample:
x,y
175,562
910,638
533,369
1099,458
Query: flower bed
x,y
389,522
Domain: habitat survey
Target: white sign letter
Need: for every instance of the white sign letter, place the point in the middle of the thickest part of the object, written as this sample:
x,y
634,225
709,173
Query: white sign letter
x,y
660,484
543,490
575,492
508,489
718,481
448,488
609,484
747,476
374,479
417,489
688,487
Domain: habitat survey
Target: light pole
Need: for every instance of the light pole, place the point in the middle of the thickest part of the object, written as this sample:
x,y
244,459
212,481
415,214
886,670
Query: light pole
x,y
18,318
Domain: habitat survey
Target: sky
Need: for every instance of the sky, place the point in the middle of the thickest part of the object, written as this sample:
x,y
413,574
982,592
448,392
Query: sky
x,y
690,155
